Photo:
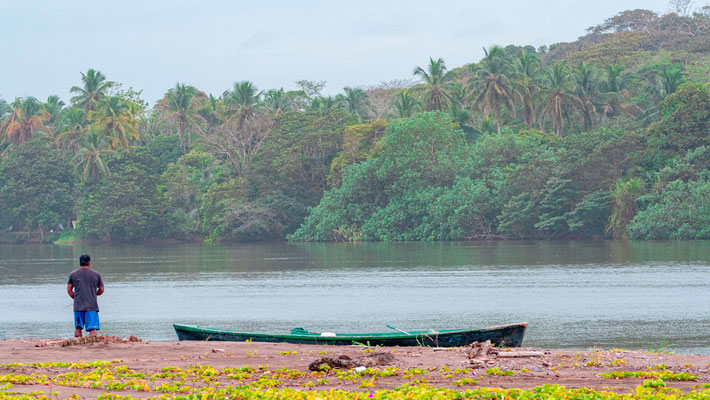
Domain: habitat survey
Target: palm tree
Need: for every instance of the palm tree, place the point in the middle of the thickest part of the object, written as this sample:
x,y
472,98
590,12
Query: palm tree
x,y
89,160
616,79
556,96
324,104
458,109
94,89
667,81
113,118
406,105
355,102
462,117
494,89
71,126
486,125
276,101
620,104
213,102
587,91
671,79
616,99
27,116
526,83
458,94
210,111
436,83
54,107
182,104
242,100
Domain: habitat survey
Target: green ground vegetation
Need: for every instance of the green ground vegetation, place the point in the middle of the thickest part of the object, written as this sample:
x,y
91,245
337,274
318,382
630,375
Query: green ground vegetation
x,y
117,381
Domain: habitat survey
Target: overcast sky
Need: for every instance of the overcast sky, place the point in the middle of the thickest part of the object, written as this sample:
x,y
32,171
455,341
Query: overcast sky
x,y
151,44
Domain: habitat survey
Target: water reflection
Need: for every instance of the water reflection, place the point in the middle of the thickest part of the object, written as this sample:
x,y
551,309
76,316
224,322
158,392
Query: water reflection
x,y
574,294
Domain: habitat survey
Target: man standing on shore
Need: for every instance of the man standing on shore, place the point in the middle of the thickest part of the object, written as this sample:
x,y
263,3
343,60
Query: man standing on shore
x,y
83,286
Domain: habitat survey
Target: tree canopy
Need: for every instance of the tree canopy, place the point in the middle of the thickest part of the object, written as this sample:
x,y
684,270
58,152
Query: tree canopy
x,y
606,136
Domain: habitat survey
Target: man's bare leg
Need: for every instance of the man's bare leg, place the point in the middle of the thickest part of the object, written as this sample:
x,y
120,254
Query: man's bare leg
x,y
77,332
92,332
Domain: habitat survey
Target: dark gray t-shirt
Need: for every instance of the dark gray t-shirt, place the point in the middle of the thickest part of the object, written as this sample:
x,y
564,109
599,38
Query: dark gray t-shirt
x,y
85,282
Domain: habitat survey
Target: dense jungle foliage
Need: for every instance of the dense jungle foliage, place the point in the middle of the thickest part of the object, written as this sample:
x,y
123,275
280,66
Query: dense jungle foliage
x,y
607,136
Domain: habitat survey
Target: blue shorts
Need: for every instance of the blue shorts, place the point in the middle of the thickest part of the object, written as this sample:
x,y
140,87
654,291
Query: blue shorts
x,y
86,319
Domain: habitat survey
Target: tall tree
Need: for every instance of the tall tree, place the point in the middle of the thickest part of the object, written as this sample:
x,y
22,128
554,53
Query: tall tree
x,y
242,100
671,79
380,99
276,101
95,87
491,87
54,107
324,104
113,118
355,102
211,110
240,143
27,116
526,83
281,101
311,89
458,107
406,105
436,80
616,99
90,158
71,126
556,96
616,79
182,105
586,79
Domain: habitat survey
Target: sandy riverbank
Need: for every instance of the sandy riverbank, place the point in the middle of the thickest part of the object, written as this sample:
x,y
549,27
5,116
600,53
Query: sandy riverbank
x,y
570,368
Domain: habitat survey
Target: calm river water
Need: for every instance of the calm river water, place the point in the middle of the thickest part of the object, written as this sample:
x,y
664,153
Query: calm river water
x,y
580,294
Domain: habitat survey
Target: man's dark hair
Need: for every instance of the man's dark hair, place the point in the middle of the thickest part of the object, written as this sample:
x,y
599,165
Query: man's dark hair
x,y
84,260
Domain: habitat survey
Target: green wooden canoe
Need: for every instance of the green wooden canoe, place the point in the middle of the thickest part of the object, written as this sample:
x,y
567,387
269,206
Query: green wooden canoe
x,y
501,335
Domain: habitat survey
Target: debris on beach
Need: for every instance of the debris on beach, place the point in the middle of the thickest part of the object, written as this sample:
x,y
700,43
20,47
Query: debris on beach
x,y
163,366
377,358
481,354
346,362
326,363
89,340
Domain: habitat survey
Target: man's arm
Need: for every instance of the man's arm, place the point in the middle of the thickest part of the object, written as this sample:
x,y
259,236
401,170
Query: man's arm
x,y
70,290
100,291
